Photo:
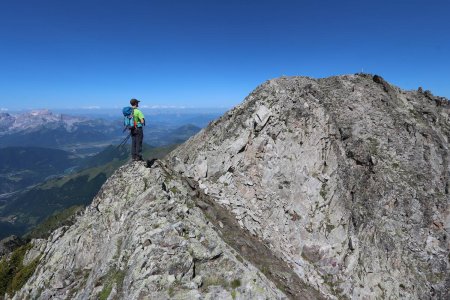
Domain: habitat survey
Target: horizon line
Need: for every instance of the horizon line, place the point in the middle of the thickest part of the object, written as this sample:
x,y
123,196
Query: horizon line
x,y
97,108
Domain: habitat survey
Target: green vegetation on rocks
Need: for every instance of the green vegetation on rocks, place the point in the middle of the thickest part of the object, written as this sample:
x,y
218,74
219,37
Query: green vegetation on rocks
x,y
53,222
13,274
114,277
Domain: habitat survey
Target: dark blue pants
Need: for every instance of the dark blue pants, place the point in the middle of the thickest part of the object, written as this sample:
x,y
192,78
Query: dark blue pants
x,y
137,135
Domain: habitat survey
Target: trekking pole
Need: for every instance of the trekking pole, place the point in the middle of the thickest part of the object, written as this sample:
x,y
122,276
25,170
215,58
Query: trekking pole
x,y
124,141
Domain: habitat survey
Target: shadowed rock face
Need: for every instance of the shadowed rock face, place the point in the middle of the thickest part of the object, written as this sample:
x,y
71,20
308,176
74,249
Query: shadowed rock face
x,y
329,188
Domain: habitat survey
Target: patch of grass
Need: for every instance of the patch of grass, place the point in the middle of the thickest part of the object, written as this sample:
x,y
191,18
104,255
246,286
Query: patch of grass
x,y
265,270
239,258
118,249
373,145
215,281
114,276
82,273
174,190
171,292
436,277
323,191
233,294
235,283
24,274
330,227
190,204
145,183
333,284
174,288
13,274
104,294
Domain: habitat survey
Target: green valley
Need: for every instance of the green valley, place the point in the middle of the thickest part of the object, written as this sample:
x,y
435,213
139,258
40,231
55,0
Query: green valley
x,y
22,211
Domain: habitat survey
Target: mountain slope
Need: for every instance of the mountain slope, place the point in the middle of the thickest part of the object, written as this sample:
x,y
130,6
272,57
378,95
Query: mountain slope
x,y
144,239
347,178
22,211
311,188
24,166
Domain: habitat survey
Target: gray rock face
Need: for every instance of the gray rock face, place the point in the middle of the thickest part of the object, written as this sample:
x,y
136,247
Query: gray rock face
x,y
345,178
143,238
331,188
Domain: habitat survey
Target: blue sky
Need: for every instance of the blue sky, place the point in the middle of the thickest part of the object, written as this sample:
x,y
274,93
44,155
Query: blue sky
x,y
60,54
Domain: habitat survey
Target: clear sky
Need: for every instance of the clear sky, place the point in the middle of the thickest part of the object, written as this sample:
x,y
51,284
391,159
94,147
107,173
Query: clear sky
x,y
206,53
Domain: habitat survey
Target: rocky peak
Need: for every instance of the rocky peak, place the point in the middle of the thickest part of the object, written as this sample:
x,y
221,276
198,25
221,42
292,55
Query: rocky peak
x,y
346,178
311,188
40,112
6,121
36,120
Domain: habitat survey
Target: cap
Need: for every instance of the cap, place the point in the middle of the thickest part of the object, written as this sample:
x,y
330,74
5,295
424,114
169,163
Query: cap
x,y
134,101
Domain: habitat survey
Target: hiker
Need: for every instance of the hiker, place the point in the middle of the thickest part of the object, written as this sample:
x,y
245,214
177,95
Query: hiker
x,y
137,132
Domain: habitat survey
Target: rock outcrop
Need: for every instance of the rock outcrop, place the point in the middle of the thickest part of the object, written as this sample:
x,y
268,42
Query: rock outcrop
x,y
346,178
330,188
7,245
143,238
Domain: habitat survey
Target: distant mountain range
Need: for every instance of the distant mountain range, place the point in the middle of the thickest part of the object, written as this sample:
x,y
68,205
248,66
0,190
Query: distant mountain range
x,y
35,120
86,135
46,129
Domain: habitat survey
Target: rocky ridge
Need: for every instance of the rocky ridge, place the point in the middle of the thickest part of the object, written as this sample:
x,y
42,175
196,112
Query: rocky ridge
x,y
346,178
311,188
144,240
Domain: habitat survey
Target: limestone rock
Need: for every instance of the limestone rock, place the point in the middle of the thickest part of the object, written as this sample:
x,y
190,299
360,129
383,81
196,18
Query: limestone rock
x,y
139,240
348,178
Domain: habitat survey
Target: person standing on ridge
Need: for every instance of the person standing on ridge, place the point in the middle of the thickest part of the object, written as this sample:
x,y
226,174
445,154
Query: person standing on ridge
x,y
137,132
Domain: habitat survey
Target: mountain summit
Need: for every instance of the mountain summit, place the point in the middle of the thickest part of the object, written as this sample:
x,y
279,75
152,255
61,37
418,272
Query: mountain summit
x,y
310,189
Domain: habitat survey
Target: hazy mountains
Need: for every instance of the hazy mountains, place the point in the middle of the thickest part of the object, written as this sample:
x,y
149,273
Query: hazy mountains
x,y
46,129
89,133
36,120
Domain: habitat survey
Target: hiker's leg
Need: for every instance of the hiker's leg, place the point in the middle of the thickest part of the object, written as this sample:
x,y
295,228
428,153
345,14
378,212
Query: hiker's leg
x,y
140,138
133,144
